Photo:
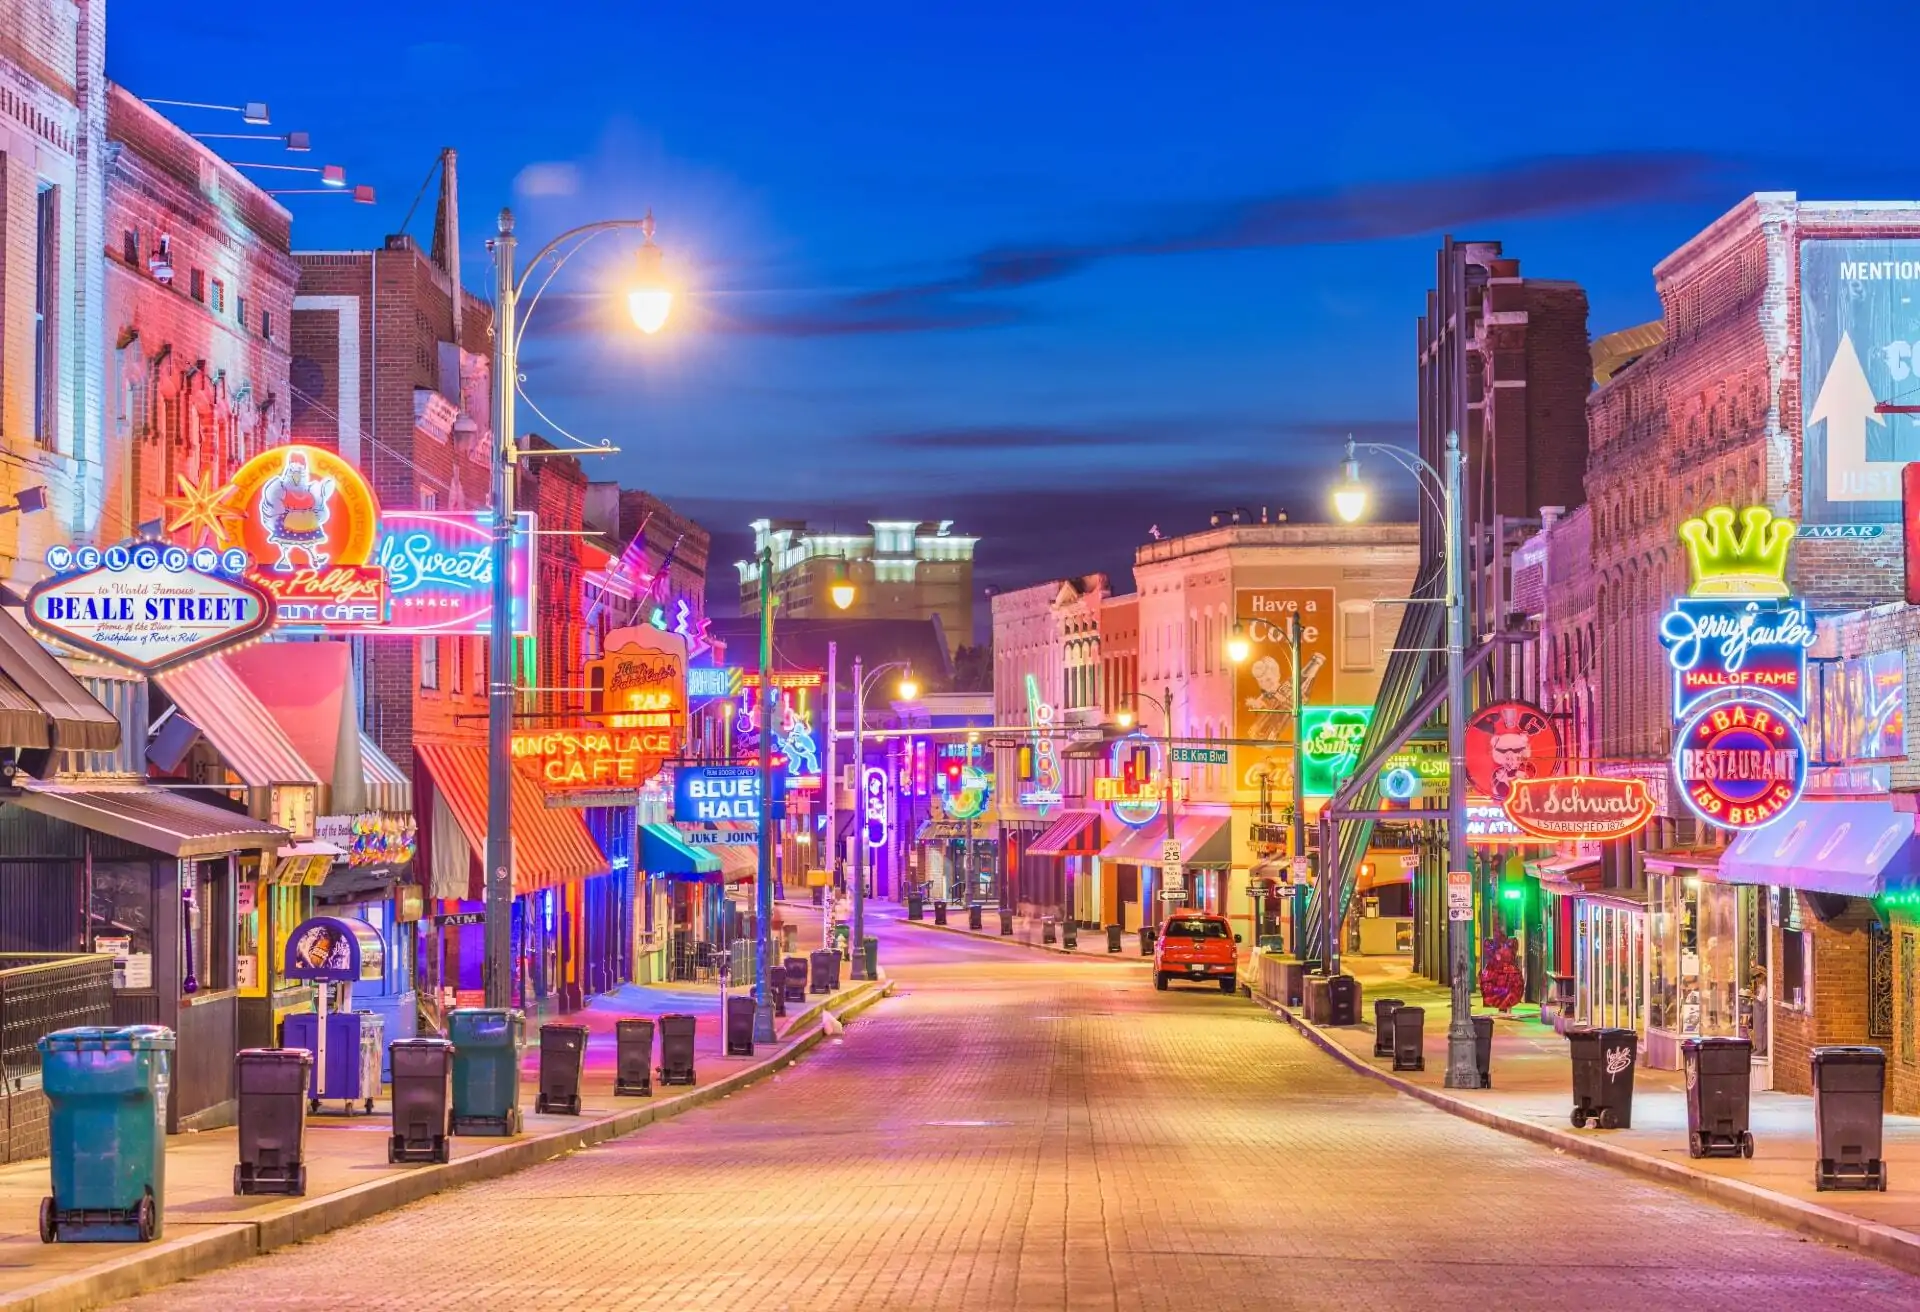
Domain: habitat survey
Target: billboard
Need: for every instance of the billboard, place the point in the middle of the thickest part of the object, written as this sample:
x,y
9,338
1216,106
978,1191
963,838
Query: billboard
x,y
1263,684
1859,352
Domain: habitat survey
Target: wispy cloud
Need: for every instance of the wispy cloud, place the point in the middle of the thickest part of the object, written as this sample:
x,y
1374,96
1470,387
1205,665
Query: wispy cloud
x,y
970,293
1526,188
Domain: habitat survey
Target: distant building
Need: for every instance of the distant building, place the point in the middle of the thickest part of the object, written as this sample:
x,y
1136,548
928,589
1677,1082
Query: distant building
x,y
903,569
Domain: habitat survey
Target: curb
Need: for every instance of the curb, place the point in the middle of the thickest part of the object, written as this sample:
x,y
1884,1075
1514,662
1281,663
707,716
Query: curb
x,y
206,1248
1013,940
1888,1244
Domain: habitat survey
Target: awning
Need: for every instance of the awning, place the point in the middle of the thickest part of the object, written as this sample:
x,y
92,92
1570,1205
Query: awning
x,y
738,865
1204,841
307,687
153,818
1854,848
387,788
738,861
252,743
1566,876
1077,833
1683,858
551,845
45,706
663,852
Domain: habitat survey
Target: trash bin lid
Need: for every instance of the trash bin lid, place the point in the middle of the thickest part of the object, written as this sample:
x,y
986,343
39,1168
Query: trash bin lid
x,y
418,1043
1846,1054
272,1056
118,1038
1698,1041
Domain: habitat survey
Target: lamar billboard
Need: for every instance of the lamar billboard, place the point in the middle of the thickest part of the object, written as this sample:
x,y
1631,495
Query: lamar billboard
x,y
1859,363
1263,685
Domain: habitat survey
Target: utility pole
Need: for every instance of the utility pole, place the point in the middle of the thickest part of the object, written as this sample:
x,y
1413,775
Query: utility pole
x,y
1299,788
498,936
763,1031
857,940
833,790
1462,1068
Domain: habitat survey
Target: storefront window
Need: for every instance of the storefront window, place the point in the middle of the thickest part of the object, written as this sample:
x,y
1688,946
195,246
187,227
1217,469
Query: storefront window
x,y
209,925
1664,951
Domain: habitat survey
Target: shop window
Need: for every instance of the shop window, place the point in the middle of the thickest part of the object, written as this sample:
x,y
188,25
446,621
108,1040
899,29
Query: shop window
x,y
1796,969
209,951
122,919
46,299
430,662
1356,635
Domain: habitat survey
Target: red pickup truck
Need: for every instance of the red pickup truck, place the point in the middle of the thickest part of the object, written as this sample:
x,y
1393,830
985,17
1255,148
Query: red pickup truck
x,y
1198,946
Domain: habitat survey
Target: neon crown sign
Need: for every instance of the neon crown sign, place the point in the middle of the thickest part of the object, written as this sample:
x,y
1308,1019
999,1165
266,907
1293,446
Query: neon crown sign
x,y
1745,561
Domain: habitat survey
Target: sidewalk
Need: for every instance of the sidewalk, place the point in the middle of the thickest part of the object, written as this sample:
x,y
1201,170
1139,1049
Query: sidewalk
x,y
1532,1097
348,1178
1027,933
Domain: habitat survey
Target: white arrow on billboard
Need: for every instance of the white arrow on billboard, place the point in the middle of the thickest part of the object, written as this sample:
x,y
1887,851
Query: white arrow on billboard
x,y
1845,403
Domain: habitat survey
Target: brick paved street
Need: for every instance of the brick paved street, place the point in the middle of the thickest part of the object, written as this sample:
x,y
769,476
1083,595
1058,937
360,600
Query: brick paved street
x,y
1017,1130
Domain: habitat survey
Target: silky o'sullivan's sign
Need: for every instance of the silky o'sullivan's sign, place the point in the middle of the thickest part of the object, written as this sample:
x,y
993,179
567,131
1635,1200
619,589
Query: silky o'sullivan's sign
x,y
149,605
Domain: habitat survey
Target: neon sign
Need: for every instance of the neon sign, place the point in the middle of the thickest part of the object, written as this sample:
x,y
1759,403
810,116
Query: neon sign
x,y
569,759
1581,808
704,793
148,605
1717,645
307,520
1133,764
1745,561
439,569
1331,739
795,741
641,684
873,795
965,790
1045,793
1740,762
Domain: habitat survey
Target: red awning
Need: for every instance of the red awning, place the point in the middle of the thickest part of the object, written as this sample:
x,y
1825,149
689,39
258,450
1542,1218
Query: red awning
x,y
551,845
1202,834
242,730
1077,833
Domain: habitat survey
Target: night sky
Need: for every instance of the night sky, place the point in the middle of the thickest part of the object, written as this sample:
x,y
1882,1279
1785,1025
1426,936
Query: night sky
x,y
1057,272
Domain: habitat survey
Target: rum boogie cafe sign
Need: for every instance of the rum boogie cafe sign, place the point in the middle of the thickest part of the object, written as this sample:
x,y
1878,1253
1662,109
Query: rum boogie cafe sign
x,y
148,605
1579,807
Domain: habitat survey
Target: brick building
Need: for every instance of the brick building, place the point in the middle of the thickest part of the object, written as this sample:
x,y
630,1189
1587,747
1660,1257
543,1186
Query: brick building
x,y
53,120
392,369
199,302
1727,403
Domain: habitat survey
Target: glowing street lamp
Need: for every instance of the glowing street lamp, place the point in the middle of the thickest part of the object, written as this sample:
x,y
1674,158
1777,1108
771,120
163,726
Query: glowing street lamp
x,y
1350,494
1238,647
651,298
841,588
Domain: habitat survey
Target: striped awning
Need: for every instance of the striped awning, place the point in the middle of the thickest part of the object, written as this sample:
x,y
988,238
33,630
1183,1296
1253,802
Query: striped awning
x,y
551,845
387,788
664,852
241,729
1203,841
1077,833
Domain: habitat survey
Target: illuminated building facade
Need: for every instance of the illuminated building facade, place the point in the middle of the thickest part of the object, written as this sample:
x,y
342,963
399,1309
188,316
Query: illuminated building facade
x,y
901,570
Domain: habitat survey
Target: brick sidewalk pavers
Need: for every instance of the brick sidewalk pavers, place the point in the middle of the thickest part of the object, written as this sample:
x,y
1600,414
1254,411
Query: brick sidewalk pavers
x,y
1016,1131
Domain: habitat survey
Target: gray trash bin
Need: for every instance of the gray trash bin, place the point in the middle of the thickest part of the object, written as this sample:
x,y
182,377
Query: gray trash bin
x,y
1049,930
1070,935
563,1056
1006,922
740,1025
1343,1000
422,1100
1483,1049
974,913
1147,936
676,1048
796,979
1849,1094
1383,1009
271,1084
1719,1080
1603,1062
633,1058
939,913
1115,933
821,966
777,988
1409,1038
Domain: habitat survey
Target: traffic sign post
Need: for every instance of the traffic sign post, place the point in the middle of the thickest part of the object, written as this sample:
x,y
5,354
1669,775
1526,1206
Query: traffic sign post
x,y
1459,895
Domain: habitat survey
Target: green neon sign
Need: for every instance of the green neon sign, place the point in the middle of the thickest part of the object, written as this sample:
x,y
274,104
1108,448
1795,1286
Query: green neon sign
x,y
1331,739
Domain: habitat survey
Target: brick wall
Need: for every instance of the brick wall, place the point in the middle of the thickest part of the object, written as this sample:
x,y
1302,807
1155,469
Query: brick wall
x,y
198,363
1839,1002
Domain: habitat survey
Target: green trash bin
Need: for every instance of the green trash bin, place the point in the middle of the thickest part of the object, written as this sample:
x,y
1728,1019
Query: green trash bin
x,y
106,1089
842,934
487,1046
871,951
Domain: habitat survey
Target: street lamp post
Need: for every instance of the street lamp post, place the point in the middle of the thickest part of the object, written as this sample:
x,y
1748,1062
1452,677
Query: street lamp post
x,y
504,457
1350,501
1238,651
1165,707
763,1031
858,940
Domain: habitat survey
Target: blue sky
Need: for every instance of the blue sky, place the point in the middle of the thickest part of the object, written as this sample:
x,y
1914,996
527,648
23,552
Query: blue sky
x,y
1057,272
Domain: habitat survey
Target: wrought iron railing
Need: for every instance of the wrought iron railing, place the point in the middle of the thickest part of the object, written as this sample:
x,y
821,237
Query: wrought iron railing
x,y
44,992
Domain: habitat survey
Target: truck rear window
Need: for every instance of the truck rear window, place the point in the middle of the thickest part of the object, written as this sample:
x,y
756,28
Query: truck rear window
x,y
1195,928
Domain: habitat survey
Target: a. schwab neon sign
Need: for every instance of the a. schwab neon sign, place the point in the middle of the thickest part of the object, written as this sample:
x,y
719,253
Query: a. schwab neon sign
x,y
440,571
1045,793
